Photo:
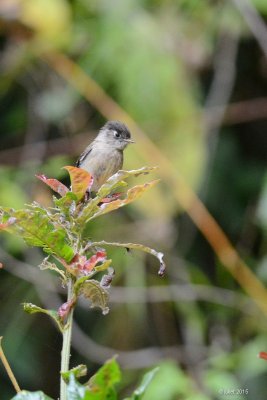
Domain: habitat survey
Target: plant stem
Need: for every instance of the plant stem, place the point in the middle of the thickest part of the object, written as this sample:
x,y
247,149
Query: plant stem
x,y
8,369
65,353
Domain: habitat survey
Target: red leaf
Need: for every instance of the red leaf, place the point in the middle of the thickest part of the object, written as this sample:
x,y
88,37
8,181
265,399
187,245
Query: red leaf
x,y
65,308
1,265
91,263
9,222
81,181
54,184
263,355
80,265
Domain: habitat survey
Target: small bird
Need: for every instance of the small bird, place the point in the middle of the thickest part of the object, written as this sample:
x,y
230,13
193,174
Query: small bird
x,y
104,156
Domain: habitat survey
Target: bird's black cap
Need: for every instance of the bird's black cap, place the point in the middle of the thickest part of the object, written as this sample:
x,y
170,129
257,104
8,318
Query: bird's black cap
x,y
119,127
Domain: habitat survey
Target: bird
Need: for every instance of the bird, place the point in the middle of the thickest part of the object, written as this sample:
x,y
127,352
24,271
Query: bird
x,y
103,157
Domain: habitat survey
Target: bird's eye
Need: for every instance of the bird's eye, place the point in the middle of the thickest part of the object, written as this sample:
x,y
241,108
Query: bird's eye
x,y
117,134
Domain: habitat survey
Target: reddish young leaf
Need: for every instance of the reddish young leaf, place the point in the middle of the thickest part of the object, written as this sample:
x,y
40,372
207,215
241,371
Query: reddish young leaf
x,y
81,180
263,355
96,258
54,184
9,222
65,308
80,265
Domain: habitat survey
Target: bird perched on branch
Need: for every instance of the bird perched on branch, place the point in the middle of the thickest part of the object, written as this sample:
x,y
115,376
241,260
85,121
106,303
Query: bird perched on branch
x,y
104,156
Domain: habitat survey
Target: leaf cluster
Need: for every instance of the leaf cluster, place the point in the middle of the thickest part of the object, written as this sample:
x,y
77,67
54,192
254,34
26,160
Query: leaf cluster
x,y
60,231
100,386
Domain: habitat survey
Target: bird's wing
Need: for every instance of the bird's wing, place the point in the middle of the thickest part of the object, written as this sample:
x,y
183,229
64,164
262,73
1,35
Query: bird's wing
x,y
84,154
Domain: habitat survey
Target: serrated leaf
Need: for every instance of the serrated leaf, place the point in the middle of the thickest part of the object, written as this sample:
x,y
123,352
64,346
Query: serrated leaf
x,y
113,183
25,395
117,179
93,291
54,184
32,309
80,179
79,371
140,391
136,246
102,383
67,204
66,200
37,229
132,194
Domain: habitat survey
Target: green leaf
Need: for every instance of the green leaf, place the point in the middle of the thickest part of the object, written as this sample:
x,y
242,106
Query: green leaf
x,y
75,390
102,383
91,208
37,228
32,309
117,179
93,291
67,204
132,194
79,371
136,246
139,392
25,395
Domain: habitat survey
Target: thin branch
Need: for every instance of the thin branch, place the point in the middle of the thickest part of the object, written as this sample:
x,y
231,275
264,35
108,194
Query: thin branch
x,y
141,358
183,193
254,21
8,368
243,111
71,146
174,292
222,83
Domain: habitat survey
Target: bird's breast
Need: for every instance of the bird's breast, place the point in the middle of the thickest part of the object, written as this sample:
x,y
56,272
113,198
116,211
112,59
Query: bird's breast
x,y
102,164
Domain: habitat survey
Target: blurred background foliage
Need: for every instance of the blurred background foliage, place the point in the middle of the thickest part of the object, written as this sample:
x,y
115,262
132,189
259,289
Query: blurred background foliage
x,y
193,75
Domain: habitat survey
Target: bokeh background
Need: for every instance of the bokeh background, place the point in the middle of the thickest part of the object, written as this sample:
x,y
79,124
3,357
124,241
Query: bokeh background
x,y
189,77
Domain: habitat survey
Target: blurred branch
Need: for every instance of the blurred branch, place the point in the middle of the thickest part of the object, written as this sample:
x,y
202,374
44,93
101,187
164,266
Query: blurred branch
x,y
47,291
152,294
254,21
235,113
213,233
64,146
222,83
243,111
183,292
218,98
27,272
141,358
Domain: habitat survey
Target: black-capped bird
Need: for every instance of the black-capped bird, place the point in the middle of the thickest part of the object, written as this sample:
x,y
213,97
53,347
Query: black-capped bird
x,y
104,156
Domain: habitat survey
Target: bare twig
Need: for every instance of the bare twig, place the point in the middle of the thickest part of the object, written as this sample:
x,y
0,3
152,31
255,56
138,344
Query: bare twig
x,y
153,294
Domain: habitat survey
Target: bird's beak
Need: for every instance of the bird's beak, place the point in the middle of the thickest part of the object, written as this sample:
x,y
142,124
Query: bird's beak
x,y
129,140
